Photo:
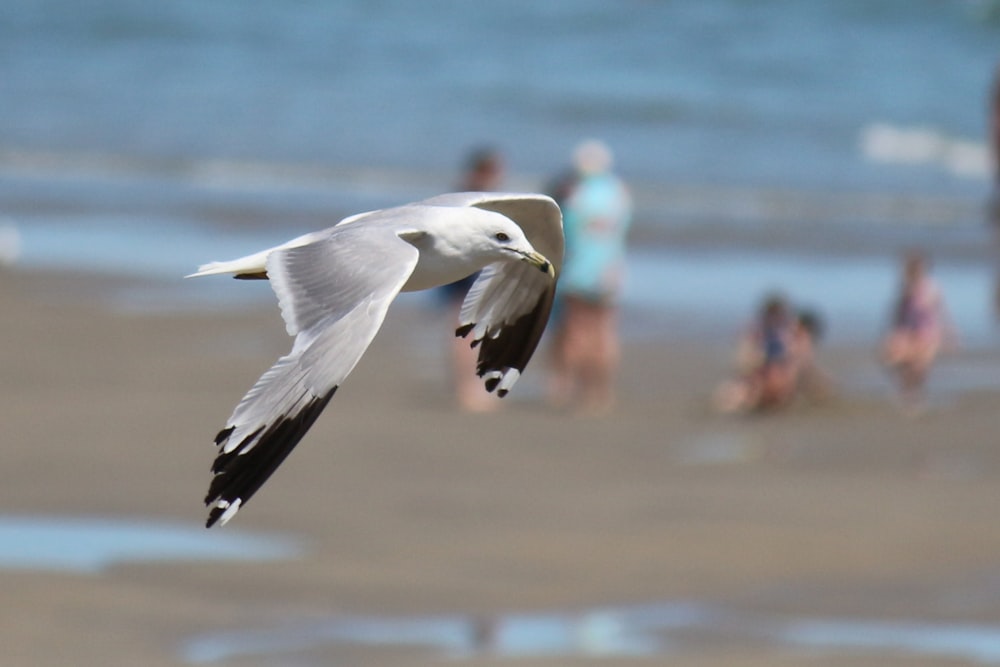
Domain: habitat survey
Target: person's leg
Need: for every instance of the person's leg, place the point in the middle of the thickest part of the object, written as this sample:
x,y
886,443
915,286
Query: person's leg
x,y
921,355
560,389
607,357
570,354
777,385
599,358
895,348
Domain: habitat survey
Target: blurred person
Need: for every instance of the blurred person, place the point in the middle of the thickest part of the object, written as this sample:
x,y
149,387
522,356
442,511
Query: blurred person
x,y
483,171
597,212
811,380
776,361
993,206
775,340
995,136
762,360
919,330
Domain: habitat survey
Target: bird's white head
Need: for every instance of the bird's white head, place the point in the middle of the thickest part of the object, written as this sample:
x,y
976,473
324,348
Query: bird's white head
x,y
455,242
500,239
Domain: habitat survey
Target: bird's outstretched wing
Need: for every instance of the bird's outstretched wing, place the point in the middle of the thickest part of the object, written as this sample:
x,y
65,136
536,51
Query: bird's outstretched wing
x,y
508,306
333,299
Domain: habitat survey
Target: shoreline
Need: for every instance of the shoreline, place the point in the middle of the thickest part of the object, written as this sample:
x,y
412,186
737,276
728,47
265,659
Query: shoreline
x,y
671,293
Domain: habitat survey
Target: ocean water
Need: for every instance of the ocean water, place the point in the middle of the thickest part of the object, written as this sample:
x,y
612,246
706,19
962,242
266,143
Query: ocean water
x,y
150,137
775,93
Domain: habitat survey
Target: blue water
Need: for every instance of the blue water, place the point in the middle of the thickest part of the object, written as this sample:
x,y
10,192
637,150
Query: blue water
x,y
679,628
90,545
771,93
145,138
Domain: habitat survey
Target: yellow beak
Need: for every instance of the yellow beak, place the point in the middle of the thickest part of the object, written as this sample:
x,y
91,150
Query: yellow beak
x,y
539,260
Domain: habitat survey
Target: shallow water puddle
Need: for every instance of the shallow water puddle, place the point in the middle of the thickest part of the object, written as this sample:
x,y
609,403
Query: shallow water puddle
x,y
962,641
636,631
91,545
596,632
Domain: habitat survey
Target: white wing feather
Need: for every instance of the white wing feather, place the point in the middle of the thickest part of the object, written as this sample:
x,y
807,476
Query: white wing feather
x,y
333,300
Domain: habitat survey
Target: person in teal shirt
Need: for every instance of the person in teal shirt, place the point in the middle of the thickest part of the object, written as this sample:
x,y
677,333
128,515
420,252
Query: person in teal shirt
x,y
597,212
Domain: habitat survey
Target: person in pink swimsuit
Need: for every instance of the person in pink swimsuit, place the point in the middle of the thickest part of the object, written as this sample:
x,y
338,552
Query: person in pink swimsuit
x,y
919,330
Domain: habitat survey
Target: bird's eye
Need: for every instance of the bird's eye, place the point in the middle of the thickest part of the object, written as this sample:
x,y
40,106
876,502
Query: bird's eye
x,y
500,236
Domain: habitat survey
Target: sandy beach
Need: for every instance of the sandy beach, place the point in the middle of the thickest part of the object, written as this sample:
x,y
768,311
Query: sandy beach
x,y
405,509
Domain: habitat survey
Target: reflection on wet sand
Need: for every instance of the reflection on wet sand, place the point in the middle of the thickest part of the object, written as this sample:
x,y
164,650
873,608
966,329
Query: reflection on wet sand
x,y
631,631
90,545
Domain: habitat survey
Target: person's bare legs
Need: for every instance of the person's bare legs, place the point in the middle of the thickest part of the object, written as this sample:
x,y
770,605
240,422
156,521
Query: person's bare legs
x,y
596,356
560,384
604,362
910,358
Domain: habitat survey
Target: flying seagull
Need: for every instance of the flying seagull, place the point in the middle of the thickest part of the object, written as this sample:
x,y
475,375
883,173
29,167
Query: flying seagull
x,y
335,286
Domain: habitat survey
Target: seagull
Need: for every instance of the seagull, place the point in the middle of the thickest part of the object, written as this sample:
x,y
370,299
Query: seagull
x,y
334,288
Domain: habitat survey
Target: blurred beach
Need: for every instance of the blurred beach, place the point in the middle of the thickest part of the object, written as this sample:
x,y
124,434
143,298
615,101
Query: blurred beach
x,y
787,145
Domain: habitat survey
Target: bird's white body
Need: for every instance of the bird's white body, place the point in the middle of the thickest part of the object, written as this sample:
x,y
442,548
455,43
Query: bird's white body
x,y
448,239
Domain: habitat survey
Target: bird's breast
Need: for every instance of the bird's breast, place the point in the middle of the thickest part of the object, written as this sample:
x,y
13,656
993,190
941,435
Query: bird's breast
x,y
430,274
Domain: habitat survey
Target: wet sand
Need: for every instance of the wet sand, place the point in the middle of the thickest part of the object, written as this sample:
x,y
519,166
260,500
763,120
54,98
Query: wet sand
x,y
405,507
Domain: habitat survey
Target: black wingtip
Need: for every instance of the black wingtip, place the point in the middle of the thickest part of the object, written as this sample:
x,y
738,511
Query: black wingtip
x,y
223,435
223,460
241,472
464,330
513,346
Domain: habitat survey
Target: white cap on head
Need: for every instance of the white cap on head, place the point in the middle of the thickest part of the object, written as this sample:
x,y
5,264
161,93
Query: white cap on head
x,y
592,157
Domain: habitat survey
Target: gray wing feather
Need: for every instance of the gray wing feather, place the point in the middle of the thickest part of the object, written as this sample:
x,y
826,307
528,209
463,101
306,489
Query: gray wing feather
x,y
333,299
500,295
506,311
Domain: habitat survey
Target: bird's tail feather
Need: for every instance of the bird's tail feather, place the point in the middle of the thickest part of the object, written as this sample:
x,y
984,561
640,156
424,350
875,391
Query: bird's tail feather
x,y
249,265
